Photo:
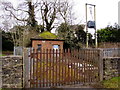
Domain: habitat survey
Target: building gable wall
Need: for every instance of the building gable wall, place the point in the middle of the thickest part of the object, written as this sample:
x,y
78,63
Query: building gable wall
x,y
46,44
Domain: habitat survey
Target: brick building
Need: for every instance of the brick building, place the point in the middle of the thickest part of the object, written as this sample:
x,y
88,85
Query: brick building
x,y
47,40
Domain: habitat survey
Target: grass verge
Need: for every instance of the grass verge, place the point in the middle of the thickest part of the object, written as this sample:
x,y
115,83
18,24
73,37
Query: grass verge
x,y
111,83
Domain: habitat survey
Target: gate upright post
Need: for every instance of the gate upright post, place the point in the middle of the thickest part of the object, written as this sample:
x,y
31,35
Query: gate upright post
x,y
0,72
101,64
26,68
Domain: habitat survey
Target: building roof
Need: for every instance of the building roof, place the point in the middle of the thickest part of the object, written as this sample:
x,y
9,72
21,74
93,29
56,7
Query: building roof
x,y
46,35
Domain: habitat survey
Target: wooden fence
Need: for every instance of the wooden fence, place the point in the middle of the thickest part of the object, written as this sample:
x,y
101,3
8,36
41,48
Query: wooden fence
x,y
50,68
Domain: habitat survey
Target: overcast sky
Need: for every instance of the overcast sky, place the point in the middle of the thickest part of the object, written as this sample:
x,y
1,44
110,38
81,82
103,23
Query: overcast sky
x,y
106,11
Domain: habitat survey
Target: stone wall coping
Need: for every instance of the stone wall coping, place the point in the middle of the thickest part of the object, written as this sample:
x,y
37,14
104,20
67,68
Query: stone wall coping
x,y
111,57
11,56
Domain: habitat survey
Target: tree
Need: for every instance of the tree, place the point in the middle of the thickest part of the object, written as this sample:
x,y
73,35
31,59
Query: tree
x,y
25,18
80,33
64,32
74,35
7,42
26,12
21,36
52,10
109,34
25,27
65,10
49,12
31,20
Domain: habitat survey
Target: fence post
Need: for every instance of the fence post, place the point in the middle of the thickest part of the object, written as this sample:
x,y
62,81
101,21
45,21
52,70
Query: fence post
x,y
26,68
0,72
101,64
14,51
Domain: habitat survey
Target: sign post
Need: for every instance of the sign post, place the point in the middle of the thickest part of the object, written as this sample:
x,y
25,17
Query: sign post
x,y
91,24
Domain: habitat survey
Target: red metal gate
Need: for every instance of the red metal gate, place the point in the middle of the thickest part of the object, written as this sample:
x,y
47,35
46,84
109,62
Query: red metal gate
x,y
50,68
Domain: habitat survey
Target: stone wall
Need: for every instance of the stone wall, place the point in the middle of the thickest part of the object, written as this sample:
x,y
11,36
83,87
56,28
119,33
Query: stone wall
x,y
111,67
12,69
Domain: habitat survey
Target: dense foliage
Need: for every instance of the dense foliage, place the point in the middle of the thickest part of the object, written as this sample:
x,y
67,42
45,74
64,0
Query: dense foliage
x,y
64,31
7,42
109,34
74,35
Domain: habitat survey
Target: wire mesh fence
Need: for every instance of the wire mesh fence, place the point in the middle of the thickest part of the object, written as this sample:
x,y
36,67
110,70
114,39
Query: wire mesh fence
x,y
18,51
